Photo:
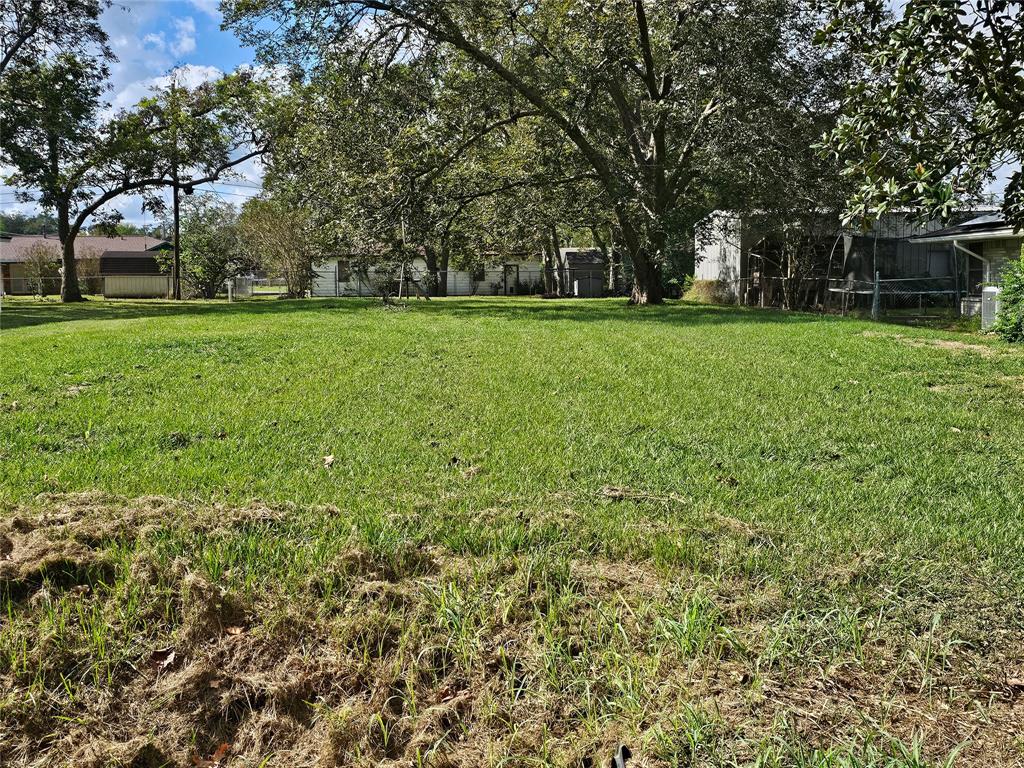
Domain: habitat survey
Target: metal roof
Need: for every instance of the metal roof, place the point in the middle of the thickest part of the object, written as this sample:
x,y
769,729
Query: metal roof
x,y
581,257
988,227
129,263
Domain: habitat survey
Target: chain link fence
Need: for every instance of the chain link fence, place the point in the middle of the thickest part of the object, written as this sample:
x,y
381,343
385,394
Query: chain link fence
x,y
909,298
895,298
43,286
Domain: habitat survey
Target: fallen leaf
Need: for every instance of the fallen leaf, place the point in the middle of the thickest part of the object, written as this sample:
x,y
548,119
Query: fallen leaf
x,y
215,759
470,472
955,429
328,461
162,659
235,630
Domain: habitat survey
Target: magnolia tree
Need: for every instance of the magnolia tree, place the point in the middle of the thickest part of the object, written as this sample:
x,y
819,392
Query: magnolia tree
x,y
648,95
938,106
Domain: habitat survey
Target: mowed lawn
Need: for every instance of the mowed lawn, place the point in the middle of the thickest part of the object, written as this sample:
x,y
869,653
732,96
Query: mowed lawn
x,y
506,532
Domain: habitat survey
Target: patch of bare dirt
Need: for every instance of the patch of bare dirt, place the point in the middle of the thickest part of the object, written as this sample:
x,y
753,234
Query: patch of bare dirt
x,y
422,656
953,346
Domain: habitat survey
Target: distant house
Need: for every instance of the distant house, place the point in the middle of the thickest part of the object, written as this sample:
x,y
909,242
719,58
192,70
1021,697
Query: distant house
x,y
581,273
340,276
90,253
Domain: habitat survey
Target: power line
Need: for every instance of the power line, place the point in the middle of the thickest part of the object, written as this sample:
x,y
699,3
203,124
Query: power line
x,y
233,194
233,184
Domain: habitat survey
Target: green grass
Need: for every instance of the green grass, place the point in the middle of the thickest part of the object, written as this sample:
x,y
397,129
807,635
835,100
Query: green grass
x,y
725,536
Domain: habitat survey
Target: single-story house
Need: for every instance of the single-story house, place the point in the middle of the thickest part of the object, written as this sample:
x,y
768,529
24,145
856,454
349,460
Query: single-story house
x,y
737,252
582,274
339,276
985,245
90,251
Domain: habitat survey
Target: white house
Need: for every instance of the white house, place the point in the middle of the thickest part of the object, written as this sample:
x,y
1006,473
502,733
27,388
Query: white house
x,y
337,276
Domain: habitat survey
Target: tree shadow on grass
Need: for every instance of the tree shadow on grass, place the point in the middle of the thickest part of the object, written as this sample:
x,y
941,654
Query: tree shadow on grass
x,y
22,313
615,310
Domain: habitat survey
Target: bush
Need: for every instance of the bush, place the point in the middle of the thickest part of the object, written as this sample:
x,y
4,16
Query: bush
x,y
709,292
1010,321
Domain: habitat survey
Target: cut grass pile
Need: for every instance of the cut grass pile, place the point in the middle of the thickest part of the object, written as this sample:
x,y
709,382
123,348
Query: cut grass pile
x,y
722,537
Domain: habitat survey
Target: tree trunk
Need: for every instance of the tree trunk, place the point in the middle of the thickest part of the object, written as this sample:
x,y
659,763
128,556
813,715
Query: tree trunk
x,y
646,271
646,282
433,273
442,273
549,267
69,288
561,270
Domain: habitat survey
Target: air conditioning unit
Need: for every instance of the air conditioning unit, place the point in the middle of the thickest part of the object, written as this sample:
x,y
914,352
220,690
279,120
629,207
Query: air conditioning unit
x,y
989,306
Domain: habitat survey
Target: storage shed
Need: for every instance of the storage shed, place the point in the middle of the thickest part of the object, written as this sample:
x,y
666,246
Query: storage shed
x,y
585,272
134,275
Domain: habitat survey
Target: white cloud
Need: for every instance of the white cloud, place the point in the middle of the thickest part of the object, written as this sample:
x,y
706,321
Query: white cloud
x,y
185,41
210,7
188,76
158,41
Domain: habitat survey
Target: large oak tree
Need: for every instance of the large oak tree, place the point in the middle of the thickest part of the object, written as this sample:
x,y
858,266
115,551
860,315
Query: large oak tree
x,y
647,94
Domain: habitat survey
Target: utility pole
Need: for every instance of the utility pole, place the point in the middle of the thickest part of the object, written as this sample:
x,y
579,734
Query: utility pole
x,y
176,268
176,261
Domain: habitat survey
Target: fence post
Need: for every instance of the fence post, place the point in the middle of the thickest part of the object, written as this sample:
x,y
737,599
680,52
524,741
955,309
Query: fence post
x,y
876,299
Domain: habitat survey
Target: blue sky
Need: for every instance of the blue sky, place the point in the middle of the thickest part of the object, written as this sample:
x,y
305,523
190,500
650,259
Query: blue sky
x,y
151,38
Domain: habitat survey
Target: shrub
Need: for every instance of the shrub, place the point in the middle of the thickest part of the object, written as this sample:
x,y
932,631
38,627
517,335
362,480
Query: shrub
x,y
1010,321
709,292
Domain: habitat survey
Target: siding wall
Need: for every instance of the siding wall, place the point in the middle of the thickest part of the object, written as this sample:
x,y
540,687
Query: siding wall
x,y
718,248
137,286
999,253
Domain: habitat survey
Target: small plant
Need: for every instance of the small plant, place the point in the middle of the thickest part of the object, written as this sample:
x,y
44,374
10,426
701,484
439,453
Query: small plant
x,y
709,292
1010,321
